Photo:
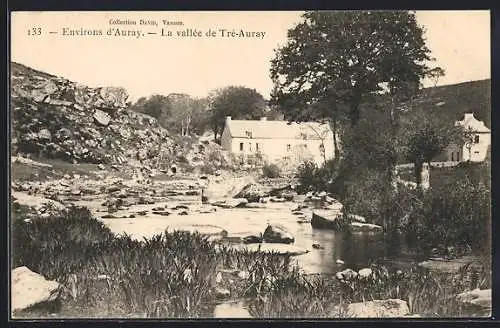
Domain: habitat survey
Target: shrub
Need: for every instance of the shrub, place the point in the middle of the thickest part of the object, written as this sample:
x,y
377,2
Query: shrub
x,y
307,175
271,171
314,178
454,218
59,244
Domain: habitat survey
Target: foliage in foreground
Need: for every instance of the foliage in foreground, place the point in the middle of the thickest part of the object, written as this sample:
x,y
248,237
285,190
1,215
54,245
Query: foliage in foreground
x,y
175,275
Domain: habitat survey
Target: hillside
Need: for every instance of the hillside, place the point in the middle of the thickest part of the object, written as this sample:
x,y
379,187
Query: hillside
x,y
456,99
54,118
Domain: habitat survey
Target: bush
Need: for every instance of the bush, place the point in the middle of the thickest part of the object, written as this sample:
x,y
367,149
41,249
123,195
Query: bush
x,y
453,218
307,175
271,171
314,178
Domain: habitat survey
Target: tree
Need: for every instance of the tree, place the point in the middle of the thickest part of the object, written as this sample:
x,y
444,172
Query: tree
x,y
179,113
425,135
237,102
339,57
188,115
155,106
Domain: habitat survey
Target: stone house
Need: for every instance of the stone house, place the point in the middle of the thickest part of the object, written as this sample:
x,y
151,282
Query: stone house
x,y
275,140
475,148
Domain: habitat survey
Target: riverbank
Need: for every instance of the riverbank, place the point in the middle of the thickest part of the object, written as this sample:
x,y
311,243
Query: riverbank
x,y
128,266
182,274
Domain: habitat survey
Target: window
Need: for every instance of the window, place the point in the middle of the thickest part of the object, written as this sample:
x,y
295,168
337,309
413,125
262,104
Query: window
x,y
250,146
257,147
288,147
452,156
241,146
476,138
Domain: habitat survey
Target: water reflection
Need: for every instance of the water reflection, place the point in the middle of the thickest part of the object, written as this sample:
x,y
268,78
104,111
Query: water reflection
x,y
356,250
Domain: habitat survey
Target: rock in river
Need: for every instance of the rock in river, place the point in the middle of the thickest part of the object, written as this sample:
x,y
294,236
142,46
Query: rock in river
x,y
230,202
327,219
277,234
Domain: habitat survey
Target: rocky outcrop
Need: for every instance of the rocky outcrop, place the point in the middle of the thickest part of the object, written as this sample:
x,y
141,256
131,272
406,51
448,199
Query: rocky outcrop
x,y
56,118
29,288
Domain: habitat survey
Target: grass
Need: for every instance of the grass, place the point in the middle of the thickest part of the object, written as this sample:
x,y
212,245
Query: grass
x,y
175,275
25,172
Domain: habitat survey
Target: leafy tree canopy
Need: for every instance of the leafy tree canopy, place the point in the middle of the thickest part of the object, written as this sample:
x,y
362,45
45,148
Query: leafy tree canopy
x,y
338,57
235,101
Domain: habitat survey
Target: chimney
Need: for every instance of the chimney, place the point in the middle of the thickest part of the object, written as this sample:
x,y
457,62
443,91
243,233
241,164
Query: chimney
x,y
263,118
228,119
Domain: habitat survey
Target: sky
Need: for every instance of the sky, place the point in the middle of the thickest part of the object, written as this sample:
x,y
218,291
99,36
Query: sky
x,y
193,64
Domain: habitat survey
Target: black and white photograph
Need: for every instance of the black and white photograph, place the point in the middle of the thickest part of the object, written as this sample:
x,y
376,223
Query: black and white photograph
x,y
250,164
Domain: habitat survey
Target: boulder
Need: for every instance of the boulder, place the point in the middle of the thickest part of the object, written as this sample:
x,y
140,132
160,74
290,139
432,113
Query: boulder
x,y
251,239
231,310
364,273
112,97
101,117
480,298
253,192
29,288
391,308
326,219
230,202
346,275
277,234
44,134
226,188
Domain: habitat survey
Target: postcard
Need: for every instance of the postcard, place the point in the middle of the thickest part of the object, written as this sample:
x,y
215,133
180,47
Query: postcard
x,y
250,164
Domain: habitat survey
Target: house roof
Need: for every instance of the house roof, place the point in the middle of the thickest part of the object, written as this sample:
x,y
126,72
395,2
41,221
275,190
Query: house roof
x,y
471,123
277,129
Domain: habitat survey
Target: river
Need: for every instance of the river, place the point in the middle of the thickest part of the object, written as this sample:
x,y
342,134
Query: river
x,y
338,250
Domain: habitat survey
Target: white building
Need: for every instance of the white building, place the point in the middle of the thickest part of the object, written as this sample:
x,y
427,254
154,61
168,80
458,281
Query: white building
x,y
278,139
476,147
